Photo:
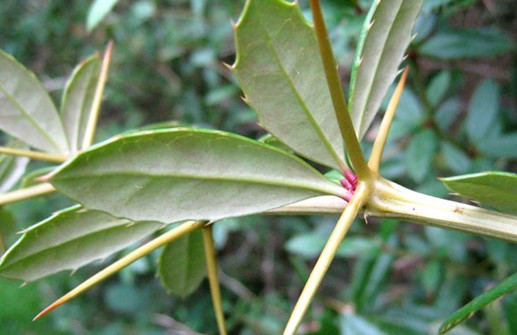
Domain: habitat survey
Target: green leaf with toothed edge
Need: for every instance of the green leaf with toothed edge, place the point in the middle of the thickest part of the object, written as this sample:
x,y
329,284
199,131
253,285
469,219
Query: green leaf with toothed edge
x,y
26,110
467,311
188,174
495,189
386,35
182,264
76,104
68,240
280,70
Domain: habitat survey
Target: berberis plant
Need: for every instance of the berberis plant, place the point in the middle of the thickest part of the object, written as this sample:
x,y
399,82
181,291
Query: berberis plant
x,y
184,180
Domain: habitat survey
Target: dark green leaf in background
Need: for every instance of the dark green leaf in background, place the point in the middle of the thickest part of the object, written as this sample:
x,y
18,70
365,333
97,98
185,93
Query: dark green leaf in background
x,y
482,110
26,110
68,240
182,264
420,154
353,324
279,69
180,174
466,43
438,87
455,159
504,287
98,11
493,189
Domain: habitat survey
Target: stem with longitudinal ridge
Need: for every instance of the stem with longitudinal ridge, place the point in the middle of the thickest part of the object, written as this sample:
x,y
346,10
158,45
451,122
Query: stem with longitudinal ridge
x,y
327,255
213,278
336,93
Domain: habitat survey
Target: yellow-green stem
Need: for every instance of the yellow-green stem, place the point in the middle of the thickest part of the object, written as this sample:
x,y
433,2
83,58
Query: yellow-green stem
x,y
326,257
213,278
382,136
147,248
42,156
96,105
26,193
336,92
392,200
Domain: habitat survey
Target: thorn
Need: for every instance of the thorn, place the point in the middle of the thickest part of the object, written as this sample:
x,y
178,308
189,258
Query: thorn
x,y
45,178
233,24
371,25
243,98
228,66
413,37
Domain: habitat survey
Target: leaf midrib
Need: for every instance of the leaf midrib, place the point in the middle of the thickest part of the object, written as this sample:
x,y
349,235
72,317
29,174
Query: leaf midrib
x,y
331,189
62,244
29,117
302,103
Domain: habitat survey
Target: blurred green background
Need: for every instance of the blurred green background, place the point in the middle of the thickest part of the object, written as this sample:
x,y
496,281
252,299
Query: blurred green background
x,y
457,115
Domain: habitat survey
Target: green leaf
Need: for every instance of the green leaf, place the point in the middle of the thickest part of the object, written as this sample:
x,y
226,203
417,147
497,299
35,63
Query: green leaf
x,y
464,313
420,154
280,71
353,324
438,87
98,11
178,174
454,157
182,264
386,35
466,43
494,189
26,110
68,240
309,245
499,145
12,168
76,105
29,179
482,110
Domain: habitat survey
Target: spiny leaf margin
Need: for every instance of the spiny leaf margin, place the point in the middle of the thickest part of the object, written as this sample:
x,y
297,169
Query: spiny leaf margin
x,y
182,174
279,69
69,239
384,39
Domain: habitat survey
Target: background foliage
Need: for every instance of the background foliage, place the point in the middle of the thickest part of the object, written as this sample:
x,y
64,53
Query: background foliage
x,y
458,115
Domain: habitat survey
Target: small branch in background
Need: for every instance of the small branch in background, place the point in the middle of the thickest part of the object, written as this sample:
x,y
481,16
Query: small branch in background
x,y
236,286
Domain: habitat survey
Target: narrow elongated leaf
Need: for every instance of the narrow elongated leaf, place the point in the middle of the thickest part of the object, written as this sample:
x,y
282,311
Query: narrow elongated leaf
x,y
77,100
26,110
464,313
68,240
182,264
482,111
494,189
98,11
280,71
420,154
179,174
385,37
466,43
